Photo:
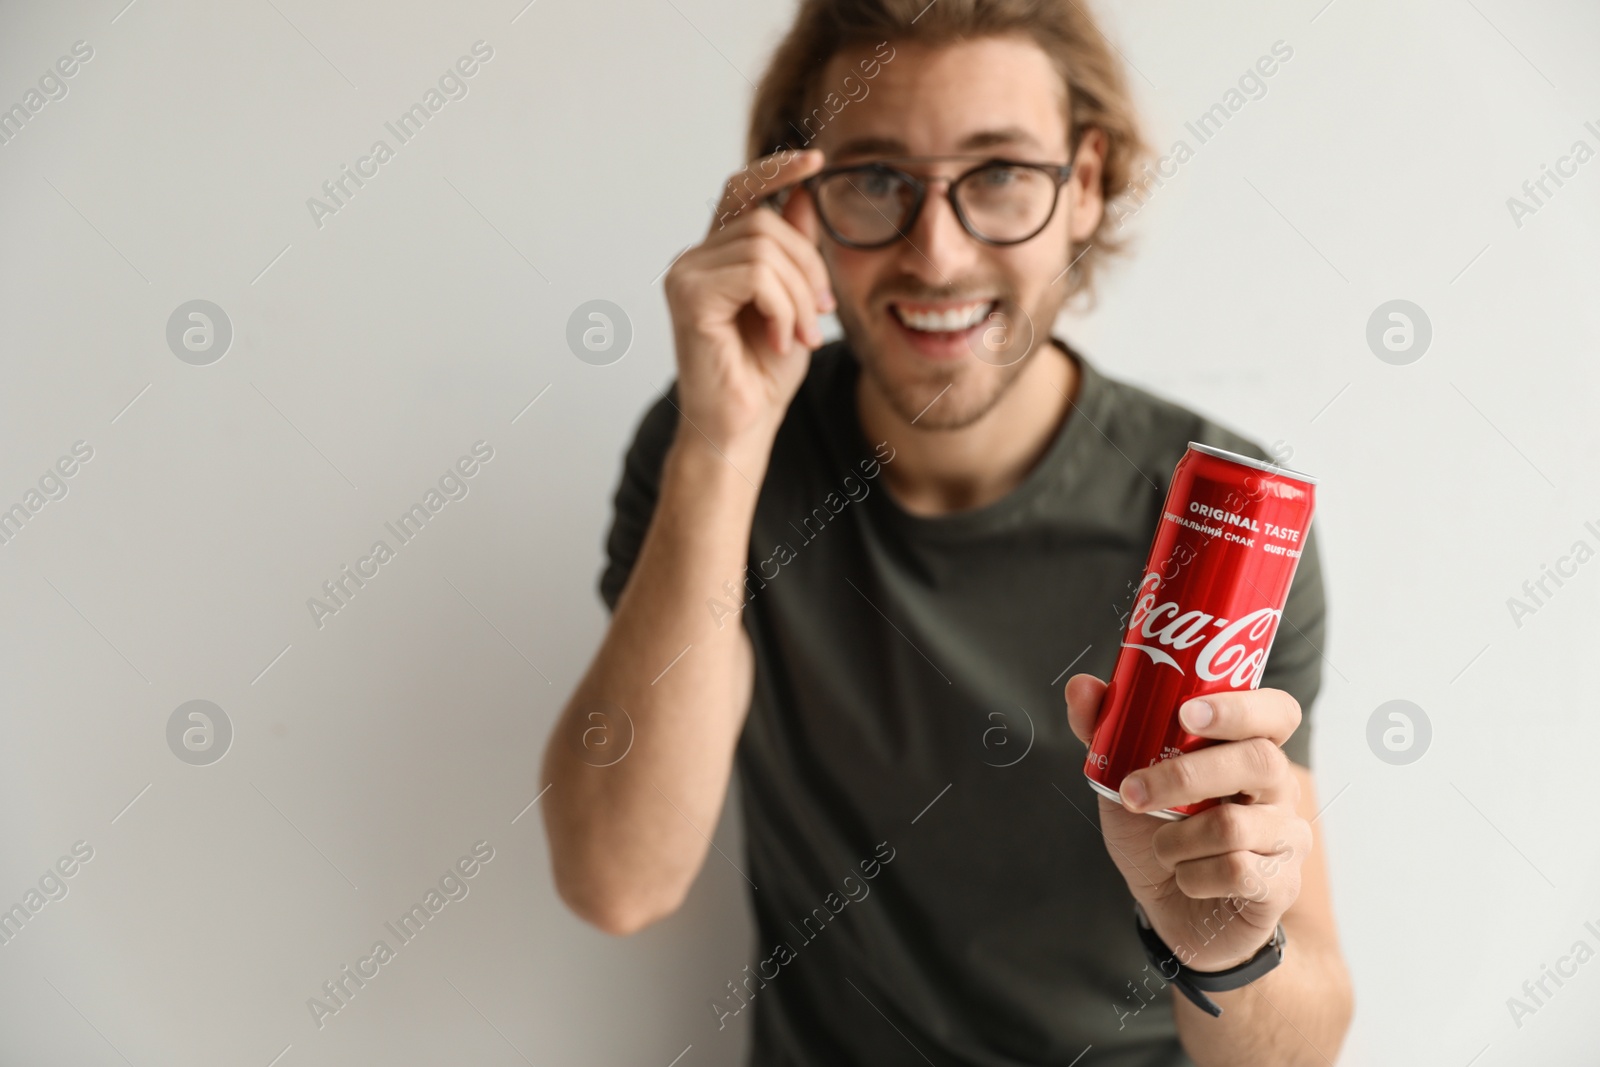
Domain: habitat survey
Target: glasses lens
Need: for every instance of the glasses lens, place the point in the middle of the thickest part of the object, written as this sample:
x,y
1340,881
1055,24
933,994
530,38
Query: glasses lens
x,y
1006,203
866,206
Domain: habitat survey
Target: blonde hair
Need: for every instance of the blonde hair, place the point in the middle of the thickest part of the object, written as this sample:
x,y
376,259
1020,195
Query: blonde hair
x,y
1097,91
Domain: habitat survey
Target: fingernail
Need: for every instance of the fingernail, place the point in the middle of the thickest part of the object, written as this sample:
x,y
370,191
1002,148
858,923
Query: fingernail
x,y
1197,714
1134,794
826,301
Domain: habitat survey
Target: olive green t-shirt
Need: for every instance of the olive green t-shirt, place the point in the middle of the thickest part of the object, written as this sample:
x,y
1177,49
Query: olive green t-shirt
x,y
931,883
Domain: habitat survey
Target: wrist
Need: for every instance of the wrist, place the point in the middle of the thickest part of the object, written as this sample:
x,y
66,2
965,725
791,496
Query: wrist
x,y
1215,977
730,473
1217,944
1207,964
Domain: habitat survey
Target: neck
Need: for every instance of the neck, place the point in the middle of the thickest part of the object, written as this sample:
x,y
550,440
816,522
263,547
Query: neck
x,y
943,471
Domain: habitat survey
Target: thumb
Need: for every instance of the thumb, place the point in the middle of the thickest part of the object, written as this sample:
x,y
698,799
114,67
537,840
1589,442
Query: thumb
x,y
1084,693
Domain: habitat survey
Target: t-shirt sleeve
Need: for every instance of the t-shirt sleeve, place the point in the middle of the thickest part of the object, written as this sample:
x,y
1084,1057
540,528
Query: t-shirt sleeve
x,y
1295,662
637,489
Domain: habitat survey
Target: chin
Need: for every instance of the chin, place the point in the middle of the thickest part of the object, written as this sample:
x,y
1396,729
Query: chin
x,y
952,400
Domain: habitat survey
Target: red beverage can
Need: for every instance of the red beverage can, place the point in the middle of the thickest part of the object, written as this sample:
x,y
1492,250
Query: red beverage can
x,y
1206,611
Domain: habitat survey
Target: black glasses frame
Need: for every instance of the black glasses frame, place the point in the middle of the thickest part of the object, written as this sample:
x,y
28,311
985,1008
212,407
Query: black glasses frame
x,y
1060,173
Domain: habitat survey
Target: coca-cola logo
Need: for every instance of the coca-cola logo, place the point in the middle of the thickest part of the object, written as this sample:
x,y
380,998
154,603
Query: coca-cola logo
x,y
1233,650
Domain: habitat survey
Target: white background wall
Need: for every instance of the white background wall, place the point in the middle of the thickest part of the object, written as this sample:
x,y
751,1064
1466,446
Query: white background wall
x,y
368,354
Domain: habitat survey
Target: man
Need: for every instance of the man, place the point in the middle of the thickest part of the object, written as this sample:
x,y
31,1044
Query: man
x,y
856,575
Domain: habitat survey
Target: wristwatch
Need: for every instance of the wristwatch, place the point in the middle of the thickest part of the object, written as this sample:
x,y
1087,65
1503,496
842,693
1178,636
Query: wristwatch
x,y
1195,984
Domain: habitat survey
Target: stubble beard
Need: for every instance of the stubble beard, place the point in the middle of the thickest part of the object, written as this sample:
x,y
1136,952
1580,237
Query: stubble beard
x,y
939,399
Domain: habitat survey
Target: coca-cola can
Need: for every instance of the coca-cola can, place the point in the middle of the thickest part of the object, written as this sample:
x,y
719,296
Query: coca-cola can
x,y
1206,610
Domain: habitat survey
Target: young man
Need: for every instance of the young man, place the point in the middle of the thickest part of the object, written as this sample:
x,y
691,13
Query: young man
x,y
856,575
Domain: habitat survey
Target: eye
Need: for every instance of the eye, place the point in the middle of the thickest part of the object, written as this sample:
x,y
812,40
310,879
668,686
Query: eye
x,y
876,183
999,176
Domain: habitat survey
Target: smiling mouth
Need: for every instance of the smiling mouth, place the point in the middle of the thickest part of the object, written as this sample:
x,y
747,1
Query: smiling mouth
x,y
942,318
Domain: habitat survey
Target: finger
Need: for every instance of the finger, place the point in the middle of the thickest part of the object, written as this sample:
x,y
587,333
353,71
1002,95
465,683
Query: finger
x,y
1236,874
748,188
764,248
1083,693
1255,768
794,243
773,301
740,287
732,288
802,247
1269,713
801,296
1260,828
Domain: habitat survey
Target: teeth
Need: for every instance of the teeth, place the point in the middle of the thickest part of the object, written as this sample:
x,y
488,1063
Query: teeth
x,y
957,318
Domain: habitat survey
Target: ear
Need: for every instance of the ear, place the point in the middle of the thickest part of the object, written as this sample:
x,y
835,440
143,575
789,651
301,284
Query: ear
x,y
1083,188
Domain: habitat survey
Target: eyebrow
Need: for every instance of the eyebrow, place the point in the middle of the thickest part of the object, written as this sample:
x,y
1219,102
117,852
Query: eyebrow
x,y
884,146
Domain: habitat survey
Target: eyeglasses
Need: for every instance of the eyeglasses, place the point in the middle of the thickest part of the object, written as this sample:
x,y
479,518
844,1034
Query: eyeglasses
x,y
999,201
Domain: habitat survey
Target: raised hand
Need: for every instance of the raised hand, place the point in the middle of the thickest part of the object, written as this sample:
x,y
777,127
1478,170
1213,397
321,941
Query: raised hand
x,y
744,305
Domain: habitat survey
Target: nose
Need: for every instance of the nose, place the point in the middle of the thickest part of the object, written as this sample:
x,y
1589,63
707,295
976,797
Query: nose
x,y
938,248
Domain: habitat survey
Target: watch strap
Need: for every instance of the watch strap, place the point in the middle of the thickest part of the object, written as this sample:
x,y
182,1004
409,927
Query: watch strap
x,y
1195,984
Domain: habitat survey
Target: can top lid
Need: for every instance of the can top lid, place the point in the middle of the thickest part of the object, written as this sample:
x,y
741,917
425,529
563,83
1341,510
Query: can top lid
x,y
1258,464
